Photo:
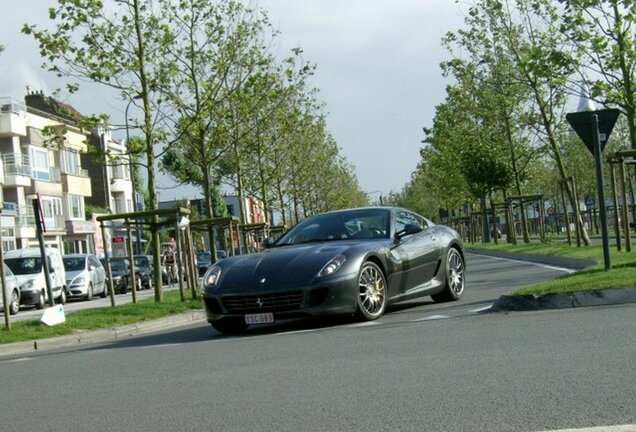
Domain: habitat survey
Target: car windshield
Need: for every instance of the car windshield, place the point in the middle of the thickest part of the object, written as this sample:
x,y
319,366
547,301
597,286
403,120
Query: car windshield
x,y
117,265
142,261
203,256
74,263
24,266
351,224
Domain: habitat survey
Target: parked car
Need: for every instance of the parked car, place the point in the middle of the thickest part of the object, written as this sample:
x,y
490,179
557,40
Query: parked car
x,y
85,276
26,265
143,265
203,262
12,288
350,262
120,270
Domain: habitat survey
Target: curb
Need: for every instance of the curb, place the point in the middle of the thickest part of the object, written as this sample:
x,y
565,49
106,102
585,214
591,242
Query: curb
x,y
605,297
575,299
100,336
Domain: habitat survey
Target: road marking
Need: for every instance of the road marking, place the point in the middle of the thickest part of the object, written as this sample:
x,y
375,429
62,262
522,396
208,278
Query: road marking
x,y
432,317
481,309
563,269
21,359
617,428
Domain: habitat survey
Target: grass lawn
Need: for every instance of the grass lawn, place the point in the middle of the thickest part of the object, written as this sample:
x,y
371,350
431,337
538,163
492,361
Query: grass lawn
x,y
98,318
621,275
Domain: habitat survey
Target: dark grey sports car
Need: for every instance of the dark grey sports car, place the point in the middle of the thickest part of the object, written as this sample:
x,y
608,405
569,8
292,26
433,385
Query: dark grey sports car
x,y
354,261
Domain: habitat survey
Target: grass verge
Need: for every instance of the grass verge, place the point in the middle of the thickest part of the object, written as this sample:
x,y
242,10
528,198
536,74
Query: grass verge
x,y
621,275
99,318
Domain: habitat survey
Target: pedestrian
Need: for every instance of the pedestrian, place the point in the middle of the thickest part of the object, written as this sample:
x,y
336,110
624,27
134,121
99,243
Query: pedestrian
x,y
168,263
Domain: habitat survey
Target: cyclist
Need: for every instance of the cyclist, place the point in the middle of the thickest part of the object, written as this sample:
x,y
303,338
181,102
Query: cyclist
x,y
168,262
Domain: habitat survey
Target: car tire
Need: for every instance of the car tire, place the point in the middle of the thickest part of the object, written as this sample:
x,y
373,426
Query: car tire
x,y
14,303
230,325
149,284
371,301
41,301
89,292
104,290
62,298
139,287
455,279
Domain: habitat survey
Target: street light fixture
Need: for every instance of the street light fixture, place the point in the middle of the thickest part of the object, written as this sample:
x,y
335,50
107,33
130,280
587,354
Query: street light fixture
x,y
132,177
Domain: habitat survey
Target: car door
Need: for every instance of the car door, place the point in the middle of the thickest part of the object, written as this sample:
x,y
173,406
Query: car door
x,y
98,274
417,252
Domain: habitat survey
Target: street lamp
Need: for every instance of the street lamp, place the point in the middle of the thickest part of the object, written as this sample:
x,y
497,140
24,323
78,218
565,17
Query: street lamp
x,y
132,177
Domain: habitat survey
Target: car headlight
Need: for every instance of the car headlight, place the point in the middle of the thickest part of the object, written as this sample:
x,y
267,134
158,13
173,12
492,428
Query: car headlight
x,y
81,280
28,285
212,276
332,266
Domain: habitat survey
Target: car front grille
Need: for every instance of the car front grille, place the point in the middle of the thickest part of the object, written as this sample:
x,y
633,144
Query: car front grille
x,y
278,302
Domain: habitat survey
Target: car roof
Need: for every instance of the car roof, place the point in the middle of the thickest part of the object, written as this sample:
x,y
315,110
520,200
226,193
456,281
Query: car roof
x,y
28,252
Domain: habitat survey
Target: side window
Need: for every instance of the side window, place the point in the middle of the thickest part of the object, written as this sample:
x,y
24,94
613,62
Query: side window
x,y
403,217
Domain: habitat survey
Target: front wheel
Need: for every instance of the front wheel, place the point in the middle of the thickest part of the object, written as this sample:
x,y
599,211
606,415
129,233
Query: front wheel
x,y
371,292
454,287
40,303
230,325
89,292
62,298
14,303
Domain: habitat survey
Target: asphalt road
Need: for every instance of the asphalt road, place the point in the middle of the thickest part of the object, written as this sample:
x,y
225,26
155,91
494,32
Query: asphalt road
x,y
422,367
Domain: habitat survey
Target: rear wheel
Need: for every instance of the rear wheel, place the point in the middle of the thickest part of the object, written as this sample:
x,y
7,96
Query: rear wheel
x,y
14,303
62,298
230,325
371,292
40,303
454,287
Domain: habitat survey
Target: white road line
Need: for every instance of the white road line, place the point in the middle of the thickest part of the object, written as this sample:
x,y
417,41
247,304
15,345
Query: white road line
x,y
432,317
617,428
563,269
481,309
22,359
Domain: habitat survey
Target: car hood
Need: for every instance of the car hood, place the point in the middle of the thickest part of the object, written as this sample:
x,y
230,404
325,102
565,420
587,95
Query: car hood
x,y
70,275
289,266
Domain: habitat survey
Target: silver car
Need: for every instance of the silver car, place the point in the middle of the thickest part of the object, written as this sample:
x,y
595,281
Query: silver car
x,y
12,289
85,276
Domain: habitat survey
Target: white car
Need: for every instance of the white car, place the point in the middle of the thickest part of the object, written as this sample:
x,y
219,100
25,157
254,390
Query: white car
x,y
85,276
26,265
12,288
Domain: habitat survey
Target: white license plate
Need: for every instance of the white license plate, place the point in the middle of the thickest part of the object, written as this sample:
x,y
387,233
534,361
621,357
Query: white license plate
x,y
261,318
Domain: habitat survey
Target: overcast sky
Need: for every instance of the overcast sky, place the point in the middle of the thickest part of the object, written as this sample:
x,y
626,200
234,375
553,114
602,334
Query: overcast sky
x,y
377,72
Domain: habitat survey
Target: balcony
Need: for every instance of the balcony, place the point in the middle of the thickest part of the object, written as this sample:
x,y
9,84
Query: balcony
x,y
25,222
12,118
46,182
76,182
17,169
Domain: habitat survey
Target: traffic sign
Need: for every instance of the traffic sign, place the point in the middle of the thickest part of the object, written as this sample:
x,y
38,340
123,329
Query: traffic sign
x,y
581,122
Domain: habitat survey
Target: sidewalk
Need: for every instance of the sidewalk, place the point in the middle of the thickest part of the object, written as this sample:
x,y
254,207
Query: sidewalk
x,y
99,336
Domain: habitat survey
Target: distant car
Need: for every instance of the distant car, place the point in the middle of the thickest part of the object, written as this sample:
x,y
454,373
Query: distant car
x,y
349,262
203,262
85,276
120,270
12,288
143,265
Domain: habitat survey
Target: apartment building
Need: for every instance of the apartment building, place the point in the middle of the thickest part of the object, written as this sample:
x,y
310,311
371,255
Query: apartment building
x,y
35,167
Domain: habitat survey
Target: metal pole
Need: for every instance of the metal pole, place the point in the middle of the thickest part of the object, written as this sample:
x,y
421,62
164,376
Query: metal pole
x,y
39,225
601,192
132,180
5,298
133,273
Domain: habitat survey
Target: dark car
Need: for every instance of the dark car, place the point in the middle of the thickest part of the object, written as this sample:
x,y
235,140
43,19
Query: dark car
x,y
120,270
143,266
354,261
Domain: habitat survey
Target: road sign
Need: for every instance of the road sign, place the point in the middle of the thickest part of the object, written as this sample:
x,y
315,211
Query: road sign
x,y
581,122
590,201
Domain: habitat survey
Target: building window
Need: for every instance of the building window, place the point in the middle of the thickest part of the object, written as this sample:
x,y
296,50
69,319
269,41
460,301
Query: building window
x,y
70,162
76,207
40,164
52,210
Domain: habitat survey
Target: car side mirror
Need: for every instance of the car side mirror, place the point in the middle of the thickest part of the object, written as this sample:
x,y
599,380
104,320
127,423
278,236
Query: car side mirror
x,y
412,228
267,243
